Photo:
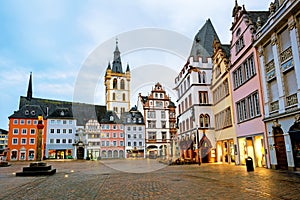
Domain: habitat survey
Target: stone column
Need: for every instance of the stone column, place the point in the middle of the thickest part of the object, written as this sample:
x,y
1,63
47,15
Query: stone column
x,y
278,73
295,50
263,80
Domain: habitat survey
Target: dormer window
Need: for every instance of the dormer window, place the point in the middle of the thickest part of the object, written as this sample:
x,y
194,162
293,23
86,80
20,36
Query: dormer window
x,y
62,113
26,112
32,112
111,118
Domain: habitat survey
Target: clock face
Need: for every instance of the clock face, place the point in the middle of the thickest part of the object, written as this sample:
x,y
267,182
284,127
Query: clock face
x,y
119,96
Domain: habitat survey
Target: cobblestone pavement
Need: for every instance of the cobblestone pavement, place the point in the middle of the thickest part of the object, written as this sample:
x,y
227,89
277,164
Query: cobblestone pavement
x,y
99,180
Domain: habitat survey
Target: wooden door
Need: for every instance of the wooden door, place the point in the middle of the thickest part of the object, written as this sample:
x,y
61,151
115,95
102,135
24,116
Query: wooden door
x,y
280,152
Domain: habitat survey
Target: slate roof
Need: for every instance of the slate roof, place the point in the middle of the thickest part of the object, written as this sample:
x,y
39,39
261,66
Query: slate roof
x,y
110,117
253,16
172,104
203,41
144,99
226,49
117,63
61,113
80,111
133,113
28,112
4,132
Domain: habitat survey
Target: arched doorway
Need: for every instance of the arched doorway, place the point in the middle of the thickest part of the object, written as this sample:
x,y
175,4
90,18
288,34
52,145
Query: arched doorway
x,y
115,155
103,154
152,151
121,154
279,146
205,148
80,153
109,154
295,140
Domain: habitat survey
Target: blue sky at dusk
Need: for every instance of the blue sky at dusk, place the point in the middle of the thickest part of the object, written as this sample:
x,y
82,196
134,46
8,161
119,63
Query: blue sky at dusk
x,y
53,38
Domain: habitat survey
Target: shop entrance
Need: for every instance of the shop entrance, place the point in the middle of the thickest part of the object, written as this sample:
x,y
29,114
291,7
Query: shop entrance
x,y
295,140
205,148
280,148
80,153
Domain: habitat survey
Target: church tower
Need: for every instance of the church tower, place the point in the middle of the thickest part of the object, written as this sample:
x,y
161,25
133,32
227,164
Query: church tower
x,y
117,85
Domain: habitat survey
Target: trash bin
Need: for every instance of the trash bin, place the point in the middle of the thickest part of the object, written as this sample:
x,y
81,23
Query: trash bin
x,y
249,164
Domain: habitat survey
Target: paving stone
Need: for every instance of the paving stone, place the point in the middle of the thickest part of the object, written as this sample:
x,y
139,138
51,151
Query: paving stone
x,y
96,180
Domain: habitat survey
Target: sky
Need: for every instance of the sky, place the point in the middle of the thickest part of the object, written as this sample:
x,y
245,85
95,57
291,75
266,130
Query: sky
x,y
67,43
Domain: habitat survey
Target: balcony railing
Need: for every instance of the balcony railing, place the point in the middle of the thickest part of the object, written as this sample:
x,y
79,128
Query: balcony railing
x,y
291,100
274,106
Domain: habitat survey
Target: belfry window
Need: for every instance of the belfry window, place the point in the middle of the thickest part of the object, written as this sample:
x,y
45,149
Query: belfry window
x,y
115,84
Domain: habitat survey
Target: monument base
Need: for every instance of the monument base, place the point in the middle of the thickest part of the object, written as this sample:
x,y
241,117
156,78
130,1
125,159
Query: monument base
x,y
37,169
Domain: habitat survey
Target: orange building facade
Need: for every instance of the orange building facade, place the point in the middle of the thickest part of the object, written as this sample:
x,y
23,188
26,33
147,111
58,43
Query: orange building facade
x,y
23,133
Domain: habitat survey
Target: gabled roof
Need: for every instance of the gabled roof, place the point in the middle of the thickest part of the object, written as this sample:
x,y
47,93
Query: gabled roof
x,y
203,41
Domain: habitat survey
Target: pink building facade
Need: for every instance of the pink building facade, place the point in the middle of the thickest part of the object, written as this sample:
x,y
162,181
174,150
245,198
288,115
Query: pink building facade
x,y
112,136
246,88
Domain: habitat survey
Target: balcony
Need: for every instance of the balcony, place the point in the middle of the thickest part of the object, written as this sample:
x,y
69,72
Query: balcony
x,y
291,100
274,106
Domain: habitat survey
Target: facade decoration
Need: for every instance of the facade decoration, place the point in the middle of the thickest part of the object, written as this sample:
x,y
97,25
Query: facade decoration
x,y
160,120
278,42
92,137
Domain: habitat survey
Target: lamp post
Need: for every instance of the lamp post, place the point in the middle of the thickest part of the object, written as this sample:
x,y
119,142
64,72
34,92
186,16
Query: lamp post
x,y
198,145
40,127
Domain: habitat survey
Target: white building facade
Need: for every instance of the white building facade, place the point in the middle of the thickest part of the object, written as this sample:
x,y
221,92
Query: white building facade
x,y
61,129
195,114
134,129
159,130
277,42
92,134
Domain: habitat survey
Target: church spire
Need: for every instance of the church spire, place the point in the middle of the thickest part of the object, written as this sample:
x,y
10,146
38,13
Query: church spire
x,y
29,90
117,64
